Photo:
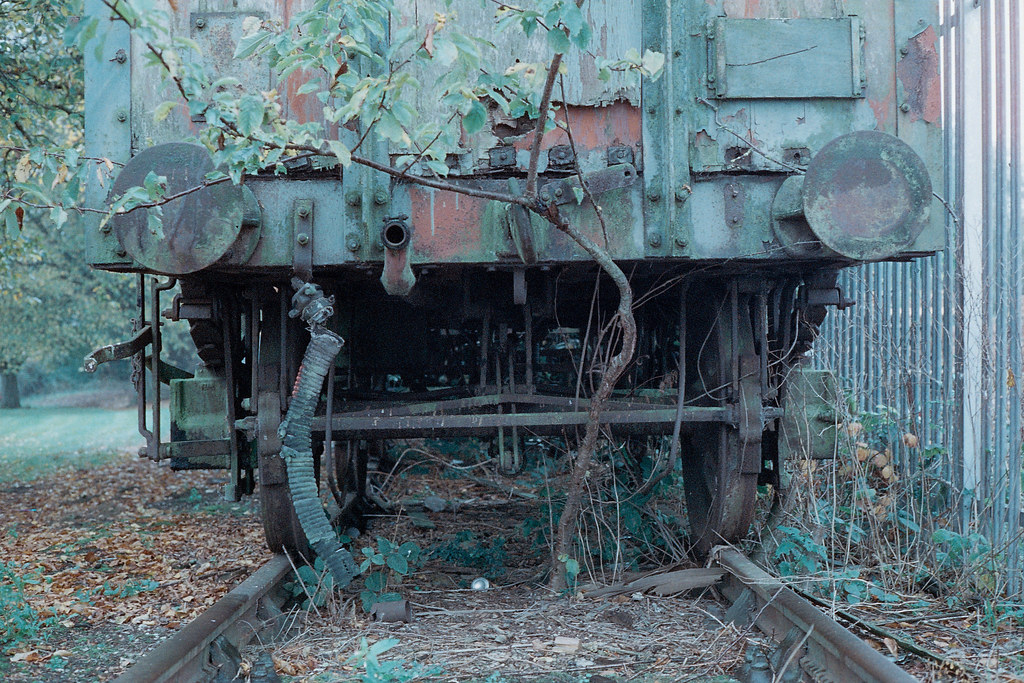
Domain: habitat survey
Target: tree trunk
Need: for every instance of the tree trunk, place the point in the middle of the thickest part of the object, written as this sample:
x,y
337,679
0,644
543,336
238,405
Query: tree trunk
x,y
10,397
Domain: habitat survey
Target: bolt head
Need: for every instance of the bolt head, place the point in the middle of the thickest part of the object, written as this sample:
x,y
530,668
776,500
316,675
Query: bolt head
x,y
105,228
680,241
734,220
559,192
353,199
380,197
122,116
654,239
302,238
200,22
904,50
905,108
353,244
654,195
304,212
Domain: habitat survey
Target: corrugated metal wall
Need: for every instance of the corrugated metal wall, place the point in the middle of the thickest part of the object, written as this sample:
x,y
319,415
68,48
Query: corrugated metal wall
x,y
938,341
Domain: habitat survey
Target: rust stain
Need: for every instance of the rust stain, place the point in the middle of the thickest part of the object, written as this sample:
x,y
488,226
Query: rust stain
x,y
918,71
883,110
619,123
445,225
739,117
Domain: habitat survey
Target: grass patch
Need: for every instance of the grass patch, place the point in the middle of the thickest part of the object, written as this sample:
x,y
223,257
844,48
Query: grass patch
x,y
38,441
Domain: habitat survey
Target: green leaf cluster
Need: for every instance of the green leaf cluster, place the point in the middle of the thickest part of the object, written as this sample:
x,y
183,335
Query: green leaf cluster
x,y
19,622
389,563
466,549
367,657
312,586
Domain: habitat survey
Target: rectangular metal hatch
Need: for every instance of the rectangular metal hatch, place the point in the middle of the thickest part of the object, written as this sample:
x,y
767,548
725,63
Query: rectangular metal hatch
x,y
756,58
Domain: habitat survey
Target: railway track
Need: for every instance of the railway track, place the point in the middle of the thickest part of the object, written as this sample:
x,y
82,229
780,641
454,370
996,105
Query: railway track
x,y
206,649
811,645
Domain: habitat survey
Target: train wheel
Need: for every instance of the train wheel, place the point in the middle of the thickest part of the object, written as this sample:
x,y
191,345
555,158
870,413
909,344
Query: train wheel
x,y
347,478
280,523
721,461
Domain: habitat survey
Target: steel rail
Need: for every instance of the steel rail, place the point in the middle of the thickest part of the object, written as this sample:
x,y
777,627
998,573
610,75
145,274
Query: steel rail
x,y
189,655
831,653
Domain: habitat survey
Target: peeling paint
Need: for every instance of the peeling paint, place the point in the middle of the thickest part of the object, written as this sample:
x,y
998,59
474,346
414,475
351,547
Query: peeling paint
x,y
620,123
883,110
455,224
918,71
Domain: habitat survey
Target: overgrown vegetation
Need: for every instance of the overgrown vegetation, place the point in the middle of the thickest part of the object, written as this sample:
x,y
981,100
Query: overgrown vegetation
x,y
882,522
19,622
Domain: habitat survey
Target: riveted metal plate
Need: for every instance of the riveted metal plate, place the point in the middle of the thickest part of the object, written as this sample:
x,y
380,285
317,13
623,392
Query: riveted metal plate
x,y
302,256
612,178
733,200
502,157
561,156
620,154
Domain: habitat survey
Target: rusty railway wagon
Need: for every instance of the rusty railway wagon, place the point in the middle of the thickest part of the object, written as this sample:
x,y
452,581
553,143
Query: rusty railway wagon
x,y
787,139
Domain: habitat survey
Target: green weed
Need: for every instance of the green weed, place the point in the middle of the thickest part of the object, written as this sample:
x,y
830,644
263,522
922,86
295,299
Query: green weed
x,y
367,657
19,622
465,549
394,561
312,585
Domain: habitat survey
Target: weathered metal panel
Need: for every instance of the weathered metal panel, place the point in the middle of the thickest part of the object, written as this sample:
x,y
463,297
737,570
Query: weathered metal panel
x,y
616,30
108,121
723,130
756,58
919,93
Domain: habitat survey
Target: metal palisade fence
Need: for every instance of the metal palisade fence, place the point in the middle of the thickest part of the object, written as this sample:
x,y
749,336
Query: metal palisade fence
x,y
933,347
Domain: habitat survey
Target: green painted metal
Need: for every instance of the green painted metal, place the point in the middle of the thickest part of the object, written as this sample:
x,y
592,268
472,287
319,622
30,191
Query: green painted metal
x,y
757,58
108,124
197,408
750,93
810,426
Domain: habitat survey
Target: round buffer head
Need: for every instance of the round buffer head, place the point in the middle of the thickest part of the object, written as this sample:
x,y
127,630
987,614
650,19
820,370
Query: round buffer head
x,y
867,195
196,229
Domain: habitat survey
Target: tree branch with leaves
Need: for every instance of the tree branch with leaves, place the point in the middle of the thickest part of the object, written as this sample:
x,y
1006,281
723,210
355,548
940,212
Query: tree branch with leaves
x,y
366,74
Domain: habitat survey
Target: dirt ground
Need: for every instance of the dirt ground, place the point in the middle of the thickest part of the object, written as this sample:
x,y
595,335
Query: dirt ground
x,y
119,556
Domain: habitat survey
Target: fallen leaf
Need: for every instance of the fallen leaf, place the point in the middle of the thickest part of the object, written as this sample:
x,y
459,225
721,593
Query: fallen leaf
x,y
566,645
891,644
283,666
26,656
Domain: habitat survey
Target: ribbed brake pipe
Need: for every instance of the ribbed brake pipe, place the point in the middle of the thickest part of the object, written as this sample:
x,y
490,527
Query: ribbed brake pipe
x,y
297,451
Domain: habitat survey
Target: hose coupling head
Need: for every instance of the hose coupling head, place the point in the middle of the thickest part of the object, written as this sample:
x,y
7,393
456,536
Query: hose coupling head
x,y
310,304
